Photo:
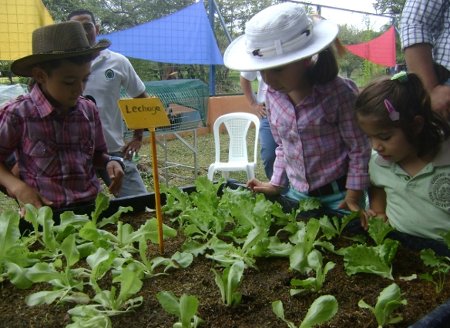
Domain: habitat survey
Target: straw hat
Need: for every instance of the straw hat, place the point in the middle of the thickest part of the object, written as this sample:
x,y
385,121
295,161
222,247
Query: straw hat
x,y
278,35
57,41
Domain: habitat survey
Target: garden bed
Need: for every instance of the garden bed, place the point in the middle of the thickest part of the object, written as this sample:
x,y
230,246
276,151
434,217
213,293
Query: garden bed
x,y
268,281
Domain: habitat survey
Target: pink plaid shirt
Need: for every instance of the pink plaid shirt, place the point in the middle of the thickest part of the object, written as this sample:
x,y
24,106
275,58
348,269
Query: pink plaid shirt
x,y
319,139
55,152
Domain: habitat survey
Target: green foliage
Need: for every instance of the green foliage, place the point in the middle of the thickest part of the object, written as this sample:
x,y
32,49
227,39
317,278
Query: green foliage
x,y
378,230
388,301
185,308
440,266
321,310
376,259
334,226
229,282
314,284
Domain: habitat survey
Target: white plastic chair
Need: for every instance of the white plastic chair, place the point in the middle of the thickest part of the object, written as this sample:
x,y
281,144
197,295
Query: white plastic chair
x,y
237,126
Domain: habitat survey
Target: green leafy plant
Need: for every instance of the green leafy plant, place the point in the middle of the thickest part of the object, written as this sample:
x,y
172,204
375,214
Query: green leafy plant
x,y
321,310
185,308
440,267
388,301
229,282
378,230
314,284
370,259
334,226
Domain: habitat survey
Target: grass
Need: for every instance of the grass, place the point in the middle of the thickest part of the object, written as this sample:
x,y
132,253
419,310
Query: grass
x,y
177,152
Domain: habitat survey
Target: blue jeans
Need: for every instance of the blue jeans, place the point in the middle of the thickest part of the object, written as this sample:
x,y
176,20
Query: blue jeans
x,y
268,146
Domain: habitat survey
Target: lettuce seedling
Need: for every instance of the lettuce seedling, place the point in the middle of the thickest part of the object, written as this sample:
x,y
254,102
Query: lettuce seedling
x,y
388,301
321,310
315,261
334,226
229,282
185,308
440,267
370,259
378,230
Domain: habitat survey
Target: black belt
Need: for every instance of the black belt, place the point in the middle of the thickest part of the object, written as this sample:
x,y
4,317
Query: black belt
x,y
330,188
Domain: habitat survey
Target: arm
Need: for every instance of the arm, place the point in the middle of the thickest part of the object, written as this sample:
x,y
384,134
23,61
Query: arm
x,y
419,60
136,143
20,190
421,22
377,206
114,168
246,87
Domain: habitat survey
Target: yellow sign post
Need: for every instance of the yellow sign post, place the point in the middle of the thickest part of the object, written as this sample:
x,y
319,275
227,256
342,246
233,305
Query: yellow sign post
x,y
148,113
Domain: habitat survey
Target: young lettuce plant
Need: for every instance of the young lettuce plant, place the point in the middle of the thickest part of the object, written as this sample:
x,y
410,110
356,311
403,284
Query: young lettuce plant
x,y
388,301
67,283
304,241
321,310
372,259
185,308
440,267
334,226
229,282
313,284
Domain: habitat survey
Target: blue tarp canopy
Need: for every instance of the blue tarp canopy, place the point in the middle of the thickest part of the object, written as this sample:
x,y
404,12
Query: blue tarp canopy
x,y
184,37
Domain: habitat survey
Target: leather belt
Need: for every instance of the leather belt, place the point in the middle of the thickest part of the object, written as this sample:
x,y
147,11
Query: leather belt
x,y
330,188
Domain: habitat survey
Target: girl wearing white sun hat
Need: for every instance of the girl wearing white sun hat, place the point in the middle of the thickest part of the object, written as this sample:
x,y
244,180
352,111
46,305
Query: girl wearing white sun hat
x,y
321,151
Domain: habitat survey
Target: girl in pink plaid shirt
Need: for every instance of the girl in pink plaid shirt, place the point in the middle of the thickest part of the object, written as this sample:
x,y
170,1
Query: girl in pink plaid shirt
x,y
321,151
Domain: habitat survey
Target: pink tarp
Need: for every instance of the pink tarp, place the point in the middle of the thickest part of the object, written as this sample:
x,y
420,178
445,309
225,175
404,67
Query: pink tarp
x,y
380,50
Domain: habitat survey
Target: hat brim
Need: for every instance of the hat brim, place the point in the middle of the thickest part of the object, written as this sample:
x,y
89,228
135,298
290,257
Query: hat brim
x,y
236,56
23,66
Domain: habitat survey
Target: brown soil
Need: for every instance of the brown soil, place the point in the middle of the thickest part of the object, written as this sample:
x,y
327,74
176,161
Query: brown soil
x,y
259,288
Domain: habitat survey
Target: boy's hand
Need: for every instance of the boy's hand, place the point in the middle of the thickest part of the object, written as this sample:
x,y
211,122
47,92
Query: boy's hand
x,y
115,173
28,195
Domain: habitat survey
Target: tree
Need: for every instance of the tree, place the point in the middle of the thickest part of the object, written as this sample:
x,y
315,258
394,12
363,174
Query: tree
x,y
392,7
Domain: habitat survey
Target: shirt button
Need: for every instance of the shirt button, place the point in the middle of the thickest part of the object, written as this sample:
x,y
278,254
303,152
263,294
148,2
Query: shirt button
x,y
407,178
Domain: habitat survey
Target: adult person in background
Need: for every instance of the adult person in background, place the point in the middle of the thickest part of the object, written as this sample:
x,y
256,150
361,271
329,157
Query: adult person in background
x,y
425,35
258,104
111,71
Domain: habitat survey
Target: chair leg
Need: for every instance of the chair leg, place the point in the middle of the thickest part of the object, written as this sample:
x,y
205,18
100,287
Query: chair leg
x,y
211,171
250,172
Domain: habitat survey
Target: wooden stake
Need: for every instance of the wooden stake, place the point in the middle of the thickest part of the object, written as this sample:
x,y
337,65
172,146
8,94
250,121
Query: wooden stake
x,y
157,193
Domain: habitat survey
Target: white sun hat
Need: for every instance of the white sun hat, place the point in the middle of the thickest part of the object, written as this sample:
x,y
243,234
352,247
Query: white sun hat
x,y
278,35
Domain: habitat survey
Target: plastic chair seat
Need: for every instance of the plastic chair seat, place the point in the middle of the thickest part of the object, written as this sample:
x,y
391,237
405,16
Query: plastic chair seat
x,y
237,126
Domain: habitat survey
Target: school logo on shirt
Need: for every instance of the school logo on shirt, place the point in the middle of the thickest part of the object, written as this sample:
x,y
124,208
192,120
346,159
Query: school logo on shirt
x,y
109,74
439,191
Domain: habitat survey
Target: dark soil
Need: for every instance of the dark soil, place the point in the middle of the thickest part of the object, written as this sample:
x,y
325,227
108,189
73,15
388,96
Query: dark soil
x,y
259,288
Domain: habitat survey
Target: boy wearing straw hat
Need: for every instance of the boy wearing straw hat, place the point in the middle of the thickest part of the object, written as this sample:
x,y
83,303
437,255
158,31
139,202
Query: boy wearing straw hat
x,y
321,151
56,134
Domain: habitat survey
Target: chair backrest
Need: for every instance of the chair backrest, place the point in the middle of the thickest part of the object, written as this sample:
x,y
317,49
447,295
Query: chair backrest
x,y
237,125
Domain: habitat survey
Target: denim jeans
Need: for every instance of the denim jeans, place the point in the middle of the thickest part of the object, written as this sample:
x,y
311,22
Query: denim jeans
x,y
268,146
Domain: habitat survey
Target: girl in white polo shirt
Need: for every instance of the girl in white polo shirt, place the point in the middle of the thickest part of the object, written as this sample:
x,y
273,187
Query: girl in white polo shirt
x,y
410,166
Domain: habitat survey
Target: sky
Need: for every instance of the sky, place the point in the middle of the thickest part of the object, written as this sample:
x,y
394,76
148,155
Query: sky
x,y
345,17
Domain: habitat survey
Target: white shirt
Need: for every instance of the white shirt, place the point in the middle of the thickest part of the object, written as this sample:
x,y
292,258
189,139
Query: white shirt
x,y
110,72
262,87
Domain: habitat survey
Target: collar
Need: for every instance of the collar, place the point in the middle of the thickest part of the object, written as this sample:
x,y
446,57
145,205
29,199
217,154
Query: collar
x,y
43,106
103,55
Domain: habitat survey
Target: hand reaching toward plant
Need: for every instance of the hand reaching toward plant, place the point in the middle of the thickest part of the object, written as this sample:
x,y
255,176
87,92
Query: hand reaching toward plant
x,y
264,187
